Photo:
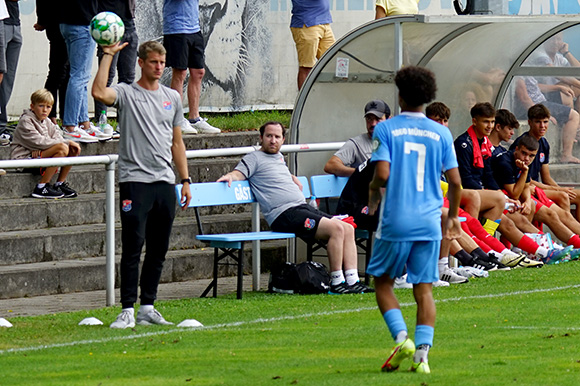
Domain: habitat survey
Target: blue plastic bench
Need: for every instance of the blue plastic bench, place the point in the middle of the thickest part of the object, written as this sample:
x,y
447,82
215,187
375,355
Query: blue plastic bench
x,y
328,186
229,244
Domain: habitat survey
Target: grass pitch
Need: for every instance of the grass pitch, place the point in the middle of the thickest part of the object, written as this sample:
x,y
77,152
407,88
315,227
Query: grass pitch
x,y
513,328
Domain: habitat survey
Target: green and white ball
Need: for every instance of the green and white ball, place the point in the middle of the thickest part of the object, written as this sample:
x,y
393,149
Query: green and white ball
x,y
107,28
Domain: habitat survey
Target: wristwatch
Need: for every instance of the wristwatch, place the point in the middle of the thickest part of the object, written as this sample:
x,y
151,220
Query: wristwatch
x,y
188,180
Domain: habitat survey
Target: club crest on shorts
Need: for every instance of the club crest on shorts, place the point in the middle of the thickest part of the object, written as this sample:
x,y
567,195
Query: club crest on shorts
x,y
309,223
365,210
167,105
126,205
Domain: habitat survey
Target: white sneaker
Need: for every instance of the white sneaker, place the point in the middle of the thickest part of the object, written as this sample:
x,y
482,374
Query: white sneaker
x,y
4,139
441,283
95,132
529,263
451,277
79,135
124,320
187,127
152,317
470,272
203,127
401,282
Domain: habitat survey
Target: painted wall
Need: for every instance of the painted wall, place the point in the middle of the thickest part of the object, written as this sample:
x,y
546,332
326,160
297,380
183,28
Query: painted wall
x,y
250,55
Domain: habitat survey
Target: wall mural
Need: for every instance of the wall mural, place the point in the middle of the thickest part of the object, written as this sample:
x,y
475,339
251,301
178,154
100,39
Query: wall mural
x,y
237,46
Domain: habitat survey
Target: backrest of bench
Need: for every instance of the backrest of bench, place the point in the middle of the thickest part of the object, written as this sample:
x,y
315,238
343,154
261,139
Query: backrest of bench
x,y
327,185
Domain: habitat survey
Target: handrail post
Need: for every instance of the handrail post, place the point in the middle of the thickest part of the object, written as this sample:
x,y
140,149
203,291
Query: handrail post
x,y
256,254
110,232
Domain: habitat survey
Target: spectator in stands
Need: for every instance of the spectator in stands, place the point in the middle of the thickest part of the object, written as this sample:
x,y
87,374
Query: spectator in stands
x,y
12,45
358,149
384,8
75,18
528,93
538,121
511,172
150,115
556,53
47,16
185,51
310,27
412,192
124,61
37,137
285,209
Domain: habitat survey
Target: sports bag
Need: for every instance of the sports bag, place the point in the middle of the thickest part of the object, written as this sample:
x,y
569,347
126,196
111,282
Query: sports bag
x,y
308,277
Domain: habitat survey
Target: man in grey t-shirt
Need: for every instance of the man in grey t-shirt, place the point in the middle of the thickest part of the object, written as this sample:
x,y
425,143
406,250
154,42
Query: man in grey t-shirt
x,y
280,196
150,115
358,149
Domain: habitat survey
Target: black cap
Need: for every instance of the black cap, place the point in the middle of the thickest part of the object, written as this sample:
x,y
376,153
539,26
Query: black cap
x,y
378,108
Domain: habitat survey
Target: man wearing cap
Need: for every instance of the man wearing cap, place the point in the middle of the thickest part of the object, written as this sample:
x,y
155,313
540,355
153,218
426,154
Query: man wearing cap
x,y
358,149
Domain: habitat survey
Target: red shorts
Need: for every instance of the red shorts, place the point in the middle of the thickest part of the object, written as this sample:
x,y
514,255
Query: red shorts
x,y
540,195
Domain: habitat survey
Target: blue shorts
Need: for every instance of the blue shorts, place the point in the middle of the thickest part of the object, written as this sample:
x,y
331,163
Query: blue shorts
x,y
420,257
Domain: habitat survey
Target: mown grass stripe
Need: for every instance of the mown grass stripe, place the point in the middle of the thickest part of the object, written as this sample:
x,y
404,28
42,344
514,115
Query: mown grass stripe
x,y
276,319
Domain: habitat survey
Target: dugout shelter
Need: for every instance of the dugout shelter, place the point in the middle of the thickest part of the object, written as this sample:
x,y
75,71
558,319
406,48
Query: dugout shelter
x,y
474,58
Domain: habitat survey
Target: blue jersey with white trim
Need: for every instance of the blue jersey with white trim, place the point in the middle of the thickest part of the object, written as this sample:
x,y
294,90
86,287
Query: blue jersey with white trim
x,y
418,150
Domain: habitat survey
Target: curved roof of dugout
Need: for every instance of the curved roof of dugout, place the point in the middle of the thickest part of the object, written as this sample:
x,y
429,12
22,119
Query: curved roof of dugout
x,y
473,57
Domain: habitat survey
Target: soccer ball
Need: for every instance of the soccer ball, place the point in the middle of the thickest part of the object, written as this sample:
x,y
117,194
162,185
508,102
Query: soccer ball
x,y
107,28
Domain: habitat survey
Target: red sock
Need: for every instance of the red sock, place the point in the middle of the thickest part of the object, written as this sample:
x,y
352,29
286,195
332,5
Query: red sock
x,y
574,241
476,228
486,248
528,245
505,242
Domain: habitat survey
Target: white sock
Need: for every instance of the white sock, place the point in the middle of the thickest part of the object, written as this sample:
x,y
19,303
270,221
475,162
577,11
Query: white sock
x,y
145,308
542,252
40,186
351,276
496,254
401,336
58,183
130,310
336,277
507,252
443,263
421,353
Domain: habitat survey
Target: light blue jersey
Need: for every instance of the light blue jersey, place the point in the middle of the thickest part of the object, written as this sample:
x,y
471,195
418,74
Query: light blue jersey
x,y
418,150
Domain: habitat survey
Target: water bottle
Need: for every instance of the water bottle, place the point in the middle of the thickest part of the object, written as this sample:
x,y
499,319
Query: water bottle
x,y
104,127
103,121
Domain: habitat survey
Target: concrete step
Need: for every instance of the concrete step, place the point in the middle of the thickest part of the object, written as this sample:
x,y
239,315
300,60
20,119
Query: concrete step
x,y
20,214
85,241
58,277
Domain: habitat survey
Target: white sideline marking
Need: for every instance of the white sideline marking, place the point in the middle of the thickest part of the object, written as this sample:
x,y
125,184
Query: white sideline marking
x,y
275,319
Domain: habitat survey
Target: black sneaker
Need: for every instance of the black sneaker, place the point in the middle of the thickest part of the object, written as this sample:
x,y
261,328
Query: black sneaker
x,y
47,192
341,289
494,260
66,190
361,288
478,263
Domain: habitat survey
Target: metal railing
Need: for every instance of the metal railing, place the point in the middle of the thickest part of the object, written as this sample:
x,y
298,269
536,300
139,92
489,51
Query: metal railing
x,y
110,161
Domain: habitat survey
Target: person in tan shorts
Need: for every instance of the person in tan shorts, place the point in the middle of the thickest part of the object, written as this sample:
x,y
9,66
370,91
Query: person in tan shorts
x,y
310,26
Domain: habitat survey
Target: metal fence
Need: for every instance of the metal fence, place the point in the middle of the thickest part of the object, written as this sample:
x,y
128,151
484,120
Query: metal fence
x,y
110,161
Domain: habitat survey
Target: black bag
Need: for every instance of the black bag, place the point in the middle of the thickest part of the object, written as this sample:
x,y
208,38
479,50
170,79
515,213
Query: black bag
x,y
305,278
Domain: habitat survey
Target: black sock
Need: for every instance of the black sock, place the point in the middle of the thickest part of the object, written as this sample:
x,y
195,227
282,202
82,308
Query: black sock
x,y
463,257
479,253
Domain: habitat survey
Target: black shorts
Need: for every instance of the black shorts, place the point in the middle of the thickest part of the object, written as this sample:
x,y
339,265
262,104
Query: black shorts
x,y
302,220
184,51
